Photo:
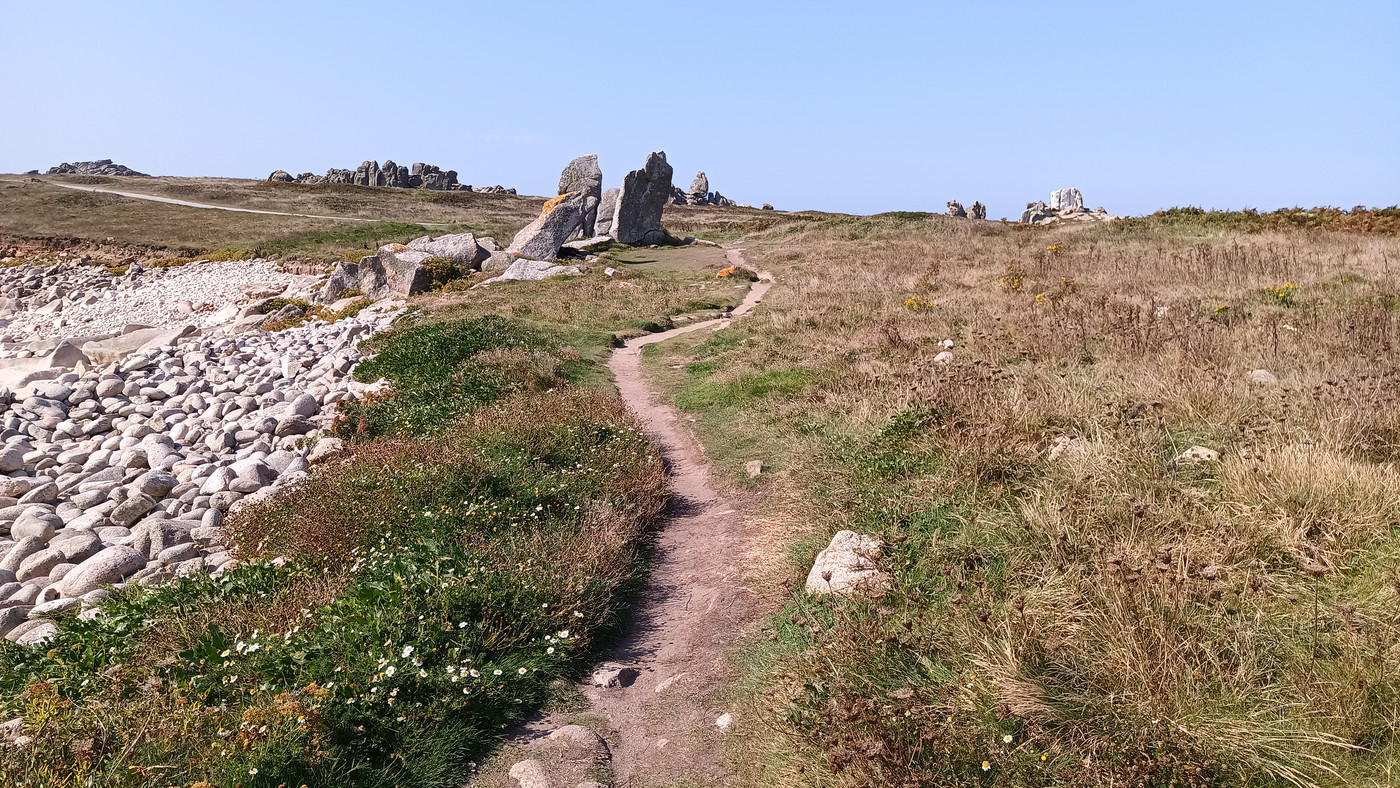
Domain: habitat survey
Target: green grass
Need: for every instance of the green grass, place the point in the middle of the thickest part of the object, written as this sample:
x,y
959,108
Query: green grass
x,y
440,371
705,395
498,550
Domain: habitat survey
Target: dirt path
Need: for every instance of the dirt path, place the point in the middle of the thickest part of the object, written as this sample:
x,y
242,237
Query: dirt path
x,y
207,206
695,607
661,727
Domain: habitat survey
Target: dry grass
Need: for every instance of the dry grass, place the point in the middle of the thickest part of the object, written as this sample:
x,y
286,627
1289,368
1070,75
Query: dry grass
x,y
1132,618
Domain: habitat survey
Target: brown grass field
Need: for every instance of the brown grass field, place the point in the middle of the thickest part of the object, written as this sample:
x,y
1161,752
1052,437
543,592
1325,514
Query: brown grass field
x,y
1074,602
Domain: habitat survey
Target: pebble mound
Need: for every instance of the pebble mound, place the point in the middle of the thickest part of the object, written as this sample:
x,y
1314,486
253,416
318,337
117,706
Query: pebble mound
x,y
69,299
124,472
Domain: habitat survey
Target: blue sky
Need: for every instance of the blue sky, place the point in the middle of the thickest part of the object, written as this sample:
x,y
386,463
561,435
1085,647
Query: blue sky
x,y
855,107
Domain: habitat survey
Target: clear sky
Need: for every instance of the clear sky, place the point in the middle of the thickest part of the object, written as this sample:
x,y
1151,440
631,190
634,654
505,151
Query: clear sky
x,y
845,106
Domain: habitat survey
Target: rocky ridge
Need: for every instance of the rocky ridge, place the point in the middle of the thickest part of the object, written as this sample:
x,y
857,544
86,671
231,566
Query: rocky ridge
x,y
389,175
99,167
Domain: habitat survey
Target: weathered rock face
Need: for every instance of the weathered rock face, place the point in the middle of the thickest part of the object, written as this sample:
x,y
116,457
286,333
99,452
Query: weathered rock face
x,y
558,220
281,176
1066,199
395,176
848,566
637,219
99,167
955,209
607,207
977,211
369,174
334,175
583,175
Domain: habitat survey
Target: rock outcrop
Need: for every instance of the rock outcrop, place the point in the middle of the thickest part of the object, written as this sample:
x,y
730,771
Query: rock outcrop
x,y
645,192
281,176
977,211
99,167
1064,205
956,210
401,270
583,176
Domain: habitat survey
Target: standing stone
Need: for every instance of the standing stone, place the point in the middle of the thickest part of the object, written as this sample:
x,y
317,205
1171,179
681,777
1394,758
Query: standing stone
x,y
542,238
699,190
1066,200
607,207
977,211
583,175
637,220
955,209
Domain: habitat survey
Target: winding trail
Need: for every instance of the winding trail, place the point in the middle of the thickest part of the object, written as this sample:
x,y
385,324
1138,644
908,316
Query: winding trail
x,y
695,607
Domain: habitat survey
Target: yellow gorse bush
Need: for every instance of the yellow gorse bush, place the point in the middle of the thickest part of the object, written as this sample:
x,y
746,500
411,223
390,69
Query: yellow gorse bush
x,y
1285,293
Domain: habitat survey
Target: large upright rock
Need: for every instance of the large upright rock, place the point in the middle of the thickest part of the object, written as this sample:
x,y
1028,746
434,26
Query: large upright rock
x,y
1066,200
583,175
955,209
559,219
977,211
607,208
637,219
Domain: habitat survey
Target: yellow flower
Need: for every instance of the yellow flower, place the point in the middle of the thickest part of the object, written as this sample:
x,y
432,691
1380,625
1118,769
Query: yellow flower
x,y
986,765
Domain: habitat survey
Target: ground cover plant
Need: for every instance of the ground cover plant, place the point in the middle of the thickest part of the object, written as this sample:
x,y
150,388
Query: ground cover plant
x,y
391,615
1076,599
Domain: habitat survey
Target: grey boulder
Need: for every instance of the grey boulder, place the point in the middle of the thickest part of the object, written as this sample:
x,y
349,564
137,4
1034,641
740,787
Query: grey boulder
x,y
112,565
558,220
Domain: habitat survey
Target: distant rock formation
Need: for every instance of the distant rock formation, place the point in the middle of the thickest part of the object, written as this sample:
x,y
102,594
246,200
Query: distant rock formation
x,y
1064,205
100,167
700,194
956,210
390,175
